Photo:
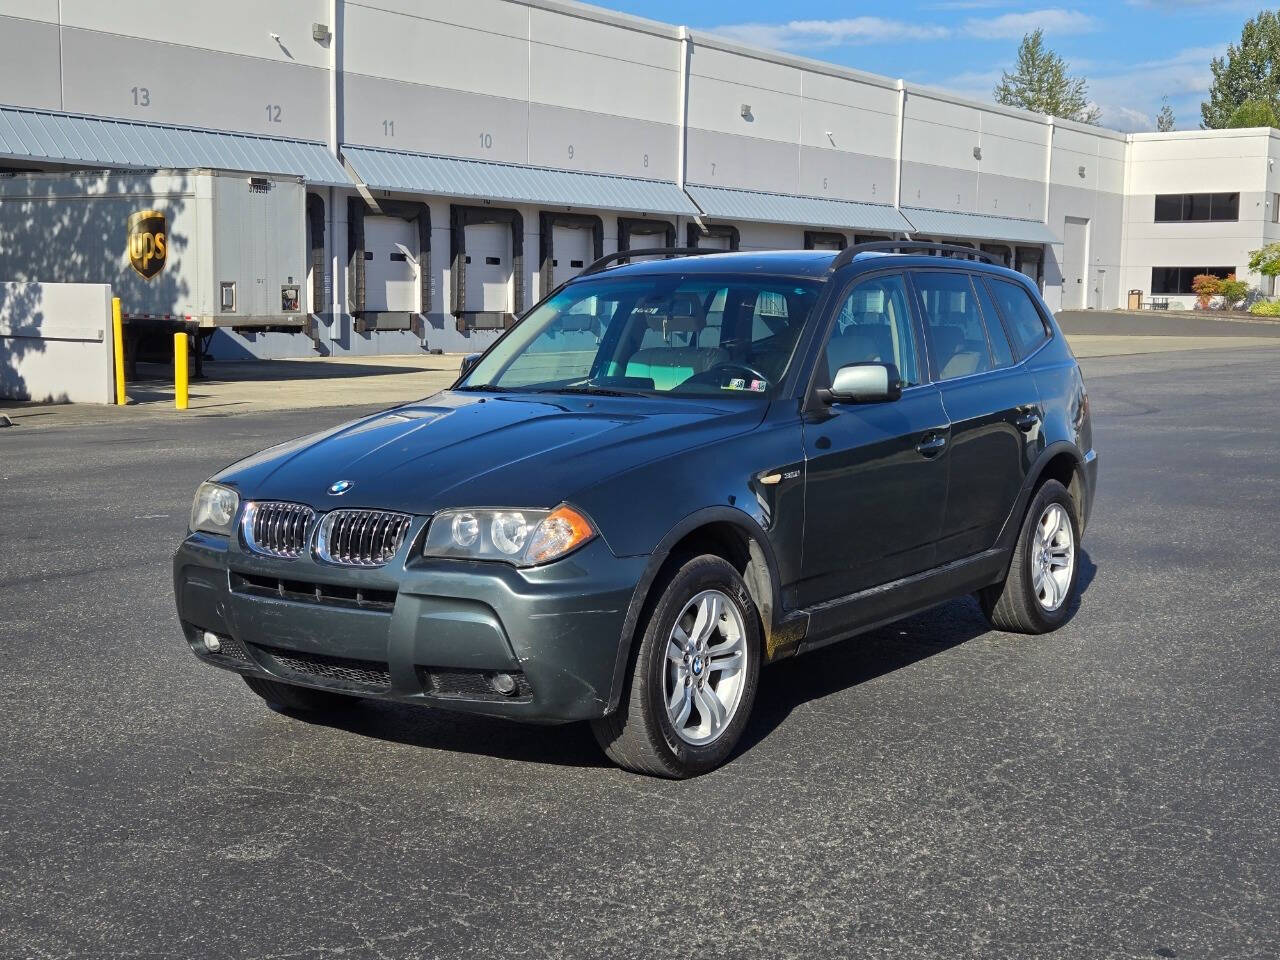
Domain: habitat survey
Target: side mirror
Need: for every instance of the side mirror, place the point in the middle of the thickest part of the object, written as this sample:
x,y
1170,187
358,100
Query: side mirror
x,y
469,361
864,383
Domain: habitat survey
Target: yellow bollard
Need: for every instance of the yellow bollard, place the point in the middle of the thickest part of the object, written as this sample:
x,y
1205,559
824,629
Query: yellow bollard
x,y
117,331
180,371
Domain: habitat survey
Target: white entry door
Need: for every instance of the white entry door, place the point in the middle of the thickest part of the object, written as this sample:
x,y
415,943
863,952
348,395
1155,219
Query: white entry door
x,y
1075,263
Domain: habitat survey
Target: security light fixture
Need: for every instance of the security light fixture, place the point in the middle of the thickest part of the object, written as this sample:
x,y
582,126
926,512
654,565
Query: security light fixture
x,y
275,37
977,153
745,111
1080,170
320,33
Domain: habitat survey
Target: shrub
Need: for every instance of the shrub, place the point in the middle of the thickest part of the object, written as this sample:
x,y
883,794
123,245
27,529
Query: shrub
x,y
1266,308
1205,286
1232,291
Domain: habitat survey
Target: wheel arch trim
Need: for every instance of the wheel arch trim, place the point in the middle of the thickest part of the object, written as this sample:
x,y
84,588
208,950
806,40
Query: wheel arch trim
x,y
760,554
1013,522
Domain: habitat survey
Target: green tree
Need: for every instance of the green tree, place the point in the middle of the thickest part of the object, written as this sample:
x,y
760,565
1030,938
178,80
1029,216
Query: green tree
x,y
1265,261
1164,119
1249,71
1040,82
1253,113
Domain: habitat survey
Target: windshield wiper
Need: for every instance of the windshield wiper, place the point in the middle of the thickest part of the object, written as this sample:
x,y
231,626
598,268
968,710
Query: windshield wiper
x,y
487,388
581,388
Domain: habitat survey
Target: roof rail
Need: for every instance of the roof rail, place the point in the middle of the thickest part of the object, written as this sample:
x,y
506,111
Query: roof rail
x,y
609,258
846,255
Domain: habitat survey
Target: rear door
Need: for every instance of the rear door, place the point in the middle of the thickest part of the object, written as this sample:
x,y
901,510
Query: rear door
x,y
990,401
876,475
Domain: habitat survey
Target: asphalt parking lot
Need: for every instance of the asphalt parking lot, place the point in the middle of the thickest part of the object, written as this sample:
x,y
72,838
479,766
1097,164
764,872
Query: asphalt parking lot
x,y
934,789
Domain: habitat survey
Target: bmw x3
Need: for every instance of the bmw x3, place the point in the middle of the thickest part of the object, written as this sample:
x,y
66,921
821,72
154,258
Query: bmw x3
x,y
667,475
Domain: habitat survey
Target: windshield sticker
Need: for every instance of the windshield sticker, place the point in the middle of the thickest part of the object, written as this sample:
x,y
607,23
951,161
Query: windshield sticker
x,y
754,386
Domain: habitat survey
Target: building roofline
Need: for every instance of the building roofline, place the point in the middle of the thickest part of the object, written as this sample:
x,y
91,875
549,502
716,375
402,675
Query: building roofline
x,y
715,41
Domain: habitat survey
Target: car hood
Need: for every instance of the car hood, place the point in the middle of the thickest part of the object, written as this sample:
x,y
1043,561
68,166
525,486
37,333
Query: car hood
x,y
466,449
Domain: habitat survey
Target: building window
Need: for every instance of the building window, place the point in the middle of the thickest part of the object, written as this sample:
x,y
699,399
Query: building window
x,y
1197,207
1177,280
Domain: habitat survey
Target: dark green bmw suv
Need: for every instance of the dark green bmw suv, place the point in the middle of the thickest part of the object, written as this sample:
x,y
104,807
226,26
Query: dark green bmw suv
x,y
667,475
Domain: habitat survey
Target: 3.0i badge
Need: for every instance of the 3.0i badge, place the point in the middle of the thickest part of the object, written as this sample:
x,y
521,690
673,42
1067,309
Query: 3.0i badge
x,y
340,487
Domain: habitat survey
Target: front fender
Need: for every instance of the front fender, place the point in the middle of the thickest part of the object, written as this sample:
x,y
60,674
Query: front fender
x,y
766,594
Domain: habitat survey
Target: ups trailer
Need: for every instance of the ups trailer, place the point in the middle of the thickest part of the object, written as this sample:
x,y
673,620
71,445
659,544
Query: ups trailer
x,y
191,249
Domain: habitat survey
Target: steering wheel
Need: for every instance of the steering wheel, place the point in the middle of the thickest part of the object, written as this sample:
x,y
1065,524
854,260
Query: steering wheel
x,y
715,374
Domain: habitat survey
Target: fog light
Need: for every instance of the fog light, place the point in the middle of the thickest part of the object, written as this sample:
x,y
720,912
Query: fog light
x,y
211,642
504,683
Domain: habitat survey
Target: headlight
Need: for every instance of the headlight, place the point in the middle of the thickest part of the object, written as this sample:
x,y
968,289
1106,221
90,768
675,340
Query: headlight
x,y
214,509
522,537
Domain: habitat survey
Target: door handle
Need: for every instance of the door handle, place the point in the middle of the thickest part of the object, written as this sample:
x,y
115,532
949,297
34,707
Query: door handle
x,y
1027,422
931,445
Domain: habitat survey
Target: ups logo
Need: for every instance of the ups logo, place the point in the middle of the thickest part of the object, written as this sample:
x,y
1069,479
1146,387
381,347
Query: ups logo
x,y
147,242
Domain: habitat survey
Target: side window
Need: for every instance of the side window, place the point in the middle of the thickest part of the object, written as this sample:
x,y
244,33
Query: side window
x,y
1001,352
953,324
874,326
1026,325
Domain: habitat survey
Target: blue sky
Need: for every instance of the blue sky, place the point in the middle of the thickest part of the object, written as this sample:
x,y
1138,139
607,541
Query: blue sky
x,y
1132,53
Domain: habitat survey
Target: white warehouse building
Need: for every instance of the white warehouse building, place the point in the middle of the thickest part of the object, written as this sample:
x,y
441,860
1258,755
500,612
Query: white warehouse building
x,y
439,166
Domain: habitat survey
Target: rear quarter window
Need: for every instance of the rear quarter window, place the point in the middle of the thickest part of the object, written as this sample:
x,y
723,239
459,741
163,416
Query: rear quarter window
x,y
1021,315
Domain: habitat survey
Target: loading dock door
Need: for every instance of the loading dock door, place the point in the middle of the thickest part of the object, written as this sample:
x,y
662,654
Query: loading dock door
x,y
489,265
1028,261
391,265
1075,261
573,248
714,243
825,245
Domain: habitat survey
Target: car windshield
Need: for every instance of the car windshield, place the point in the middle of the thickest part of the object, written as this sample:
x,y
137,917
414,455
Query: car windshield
x,y
667,333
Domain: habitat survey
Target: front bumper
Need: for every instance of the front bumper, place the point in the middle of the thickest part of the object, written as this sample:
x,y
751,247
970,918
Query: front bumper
x,y
425,631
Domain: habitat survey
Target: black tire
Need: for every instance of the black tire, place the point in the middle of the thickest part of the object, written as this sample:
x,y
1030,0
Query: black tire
x,y
1013,604
639,735
290,698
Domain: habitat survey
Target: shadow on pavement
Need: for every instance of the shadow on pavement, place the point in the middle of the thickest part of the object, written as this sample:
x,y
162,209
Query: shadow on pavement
x,y
783,688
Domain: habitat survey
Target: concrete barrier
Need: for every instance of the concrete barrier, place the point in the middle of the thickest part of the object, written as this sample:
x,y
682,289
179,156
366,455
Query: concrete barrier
x,y
55,342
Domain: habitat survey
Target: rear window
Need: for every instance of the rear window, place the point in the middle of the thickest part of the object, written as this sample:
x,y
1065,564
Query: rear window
x,y
1026,325
953,325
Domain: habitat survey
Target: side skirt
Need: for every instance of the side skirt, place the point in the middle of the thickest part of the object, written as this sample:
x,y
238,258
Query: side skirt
x,y
838,620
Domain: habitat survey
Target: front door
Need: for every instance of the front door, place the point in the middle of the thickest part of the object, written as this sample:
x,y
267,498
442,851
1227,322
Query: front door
x,y
877,472
992,405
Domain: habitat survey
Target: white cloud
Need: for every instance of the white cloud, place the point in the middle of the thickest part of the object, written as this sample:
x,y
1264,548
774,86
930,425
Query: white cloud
x,y
810,34
1013,26
971,84
1126,119
1130,93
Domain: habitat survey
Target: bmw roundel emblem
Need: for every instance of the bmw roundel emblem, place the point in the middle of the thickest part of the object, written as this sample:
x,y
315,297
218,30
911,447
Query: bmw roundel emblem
x,y
339,488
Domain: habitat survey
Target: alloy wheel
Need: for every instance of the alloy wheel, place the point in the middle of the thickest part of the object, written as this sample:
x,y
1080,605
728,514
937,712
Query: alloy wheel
x,y
1052,557
705,670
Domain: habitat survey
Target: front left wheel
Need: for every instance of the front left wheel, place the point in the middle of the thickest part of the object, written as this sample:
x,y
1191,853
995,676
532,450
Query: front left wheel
x,y
693,681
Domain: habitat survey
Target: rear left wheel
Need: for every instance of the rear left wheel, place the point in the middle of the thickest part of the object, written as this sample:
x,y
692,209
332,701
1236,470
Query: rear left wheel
x,y
1036,594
